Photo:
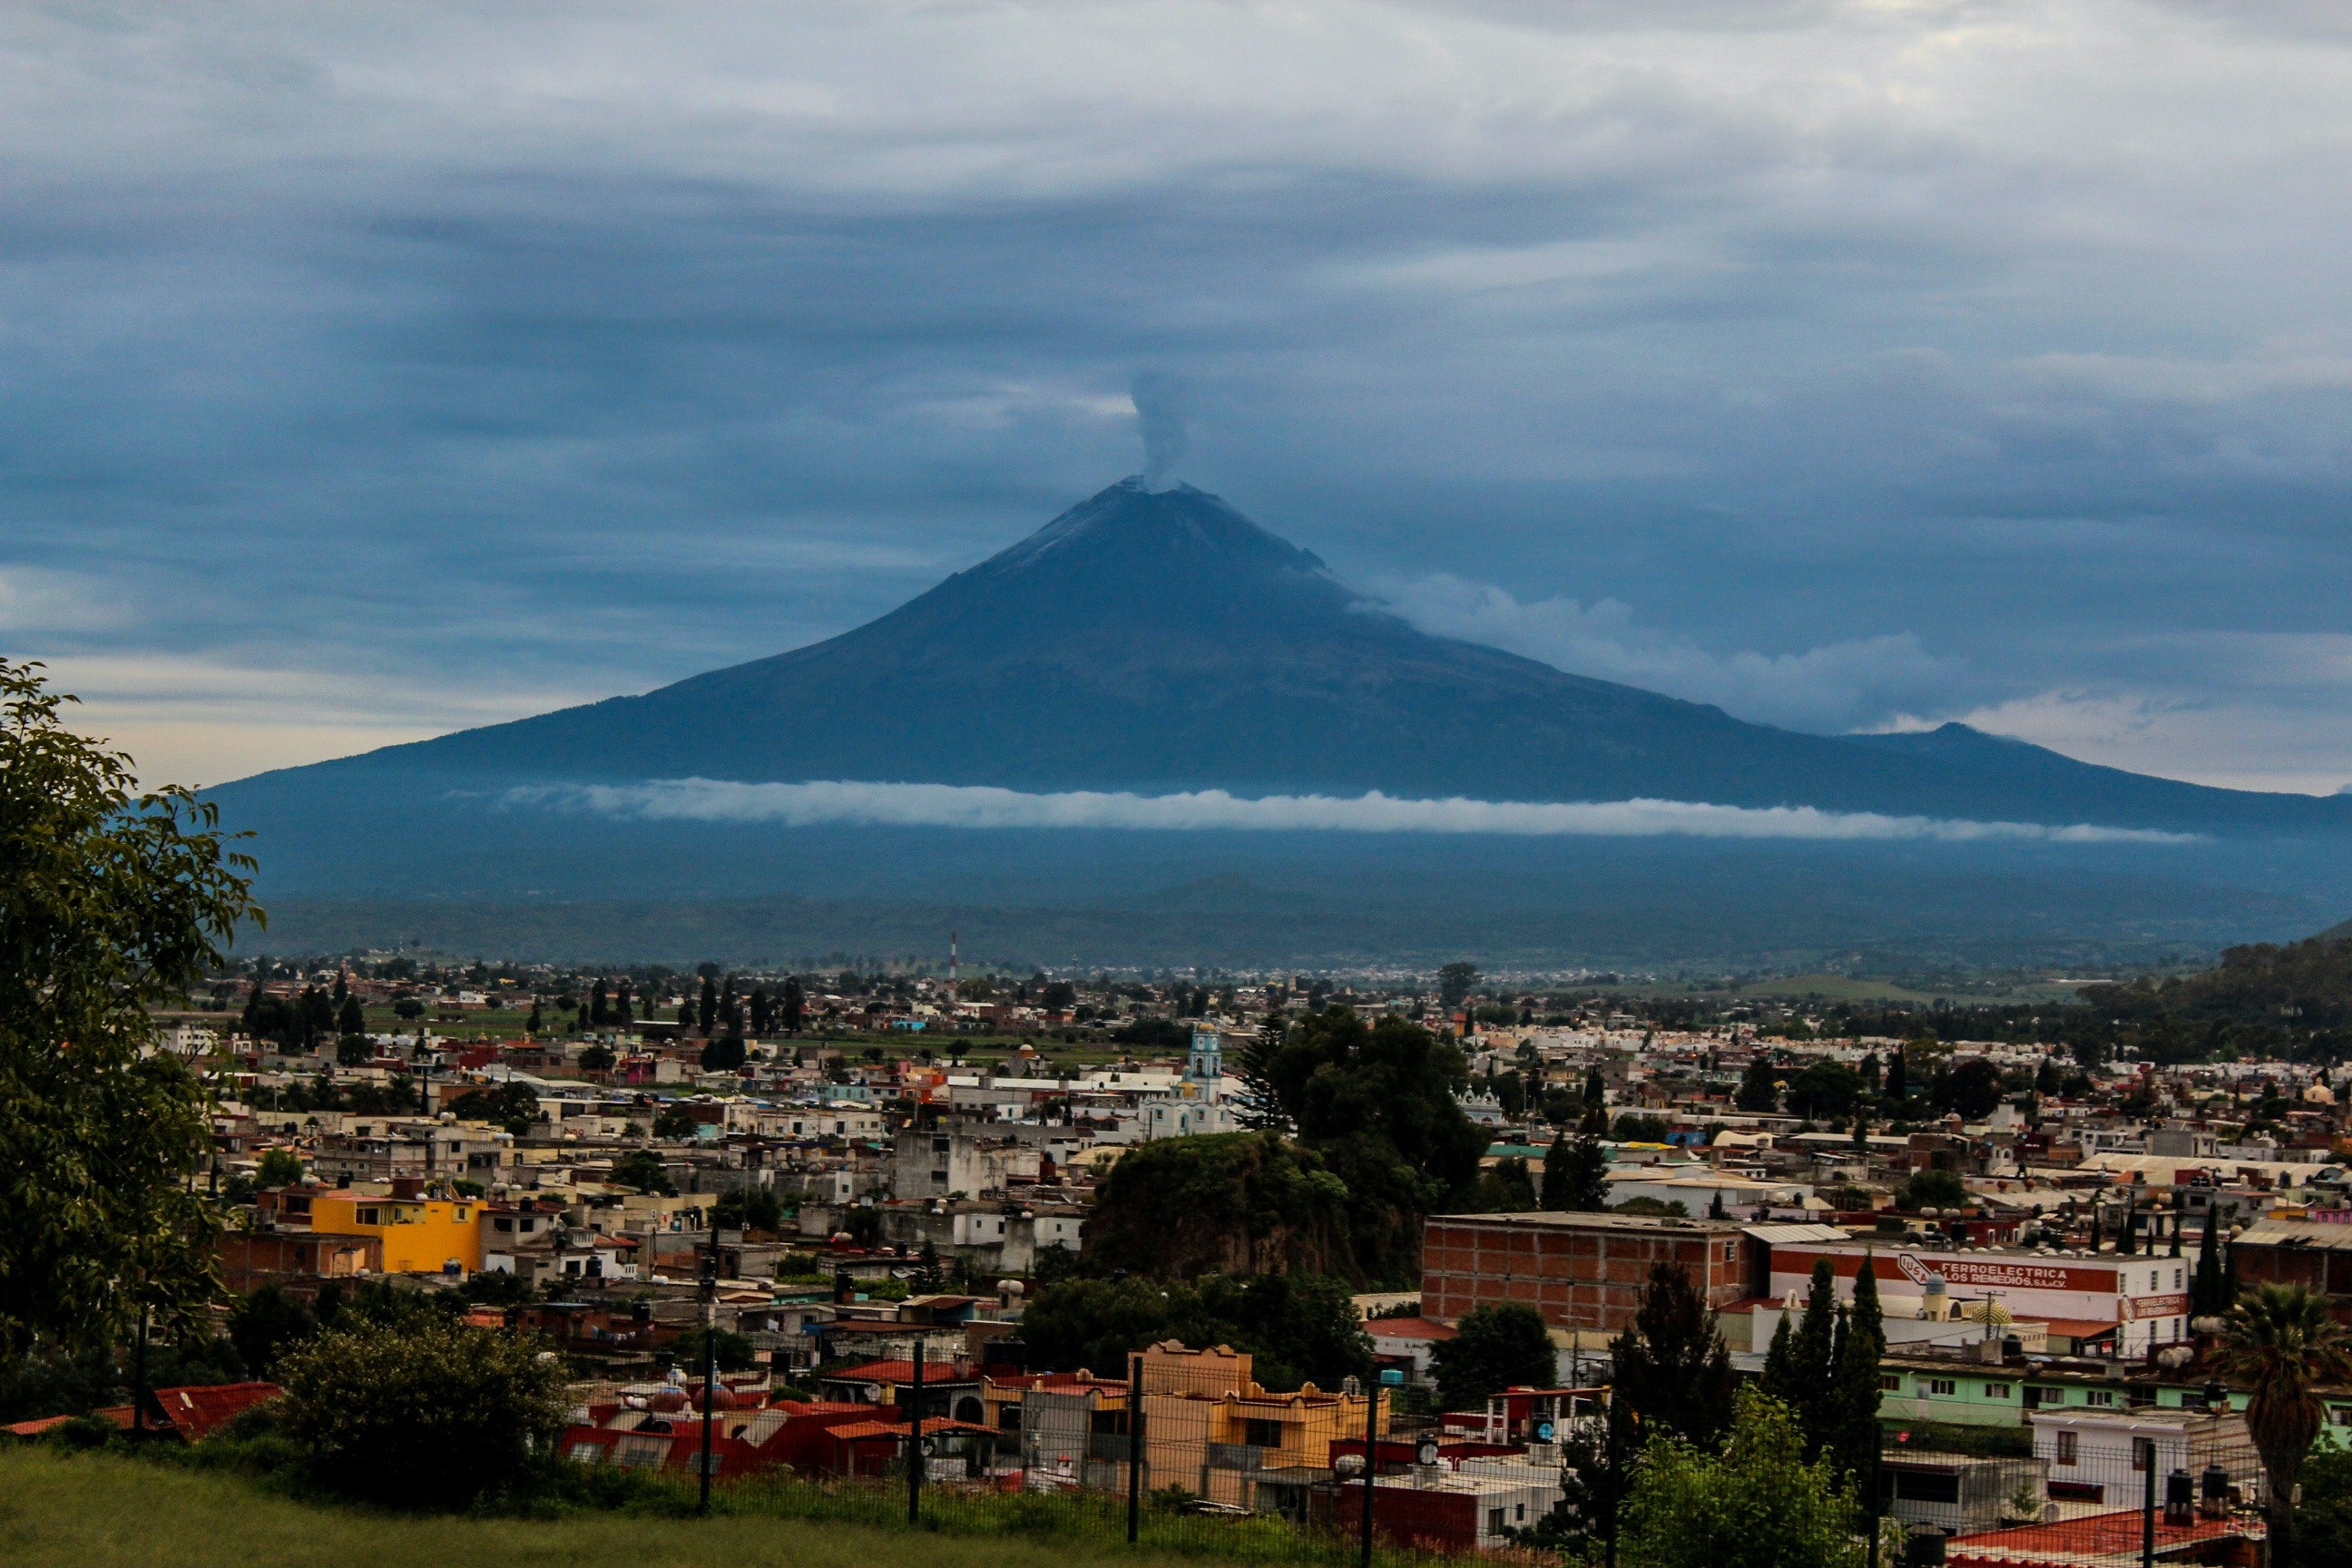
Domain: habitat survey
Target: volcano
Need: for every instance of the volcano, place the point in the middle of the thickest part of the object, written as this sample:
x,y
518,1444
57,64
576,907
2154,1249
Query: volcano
x,y
1155,642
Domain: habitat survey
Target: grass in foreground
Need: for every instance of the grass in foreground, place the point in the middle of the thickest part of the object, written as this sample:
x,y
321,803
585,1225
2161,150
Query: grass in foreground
x,y
96,1511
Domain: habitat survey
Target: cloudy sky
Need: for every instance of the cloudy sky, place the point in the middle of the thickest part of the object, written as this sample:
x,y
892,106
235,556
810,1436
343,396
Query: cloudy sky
x,y
371,371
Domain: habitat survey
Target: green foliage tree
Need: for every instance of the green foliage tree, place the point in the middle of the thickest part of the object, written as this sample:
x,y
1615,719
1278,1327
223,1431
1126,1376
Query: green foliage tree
x,y
1804,1385
1376,1103
675,1121
1824,1090
1932,1190
1576,1176
109,901
353,1050
264,1325
278,1168
1758,1504
1849,1408
1973,1088
2322,1522
1505,1188
1760,1087
1297,1328
2281,1345
513,1106
1455,982
1674,1372
2210,1291
732,1350
1235,1202
421,1412
749,1208
642,1169
1492,1348
1633,1127
597,1058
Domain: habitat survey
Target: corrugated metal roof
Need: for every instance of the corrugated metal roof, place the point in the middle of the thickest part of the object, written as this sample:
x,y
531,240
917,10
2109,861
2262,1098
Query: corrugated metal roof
x,y
1790,1235
2296,1233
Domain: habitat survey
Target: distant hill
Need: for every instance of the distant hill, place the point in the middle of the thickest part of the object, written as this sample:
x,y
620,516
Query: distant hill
x,y
2290,999
1161,642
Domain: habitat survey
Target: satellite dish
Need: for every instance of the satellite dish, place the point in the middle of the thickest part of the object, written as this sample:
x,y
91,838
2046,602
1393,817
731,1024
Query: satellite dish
x,y
1543,1431
1427,1454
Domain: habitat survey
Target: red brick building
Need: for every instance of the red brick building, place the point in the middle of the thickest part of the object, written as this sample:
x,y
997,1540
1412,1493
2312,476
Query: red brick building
x,y
1580,1270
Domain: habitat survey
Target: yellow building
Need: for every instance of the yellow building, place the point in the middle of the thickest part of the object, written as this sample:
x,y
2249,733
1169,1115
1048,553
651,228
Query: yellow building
x,y
420,1235
1210,1428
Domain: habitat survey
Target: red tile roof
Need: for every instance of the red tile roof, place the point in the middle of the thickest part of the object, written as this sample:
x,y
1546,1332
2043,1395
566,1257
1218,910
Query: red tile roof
x,y
2093,1537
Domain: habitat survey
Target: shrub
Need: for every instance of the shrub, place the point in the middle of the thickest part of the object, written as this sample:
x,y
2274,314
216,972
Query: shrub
x,y
420,1413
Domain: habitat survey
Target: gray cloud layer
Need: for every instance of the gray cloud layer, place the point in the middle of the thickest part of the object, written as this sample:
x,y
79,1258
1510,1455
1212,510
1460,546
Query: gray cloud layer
x,y
372,372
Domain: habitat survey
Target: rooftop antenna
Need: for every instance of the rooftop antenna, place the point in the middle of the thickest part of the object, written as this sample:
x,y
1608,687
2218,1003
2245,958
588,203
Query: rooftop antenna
x,y
952,963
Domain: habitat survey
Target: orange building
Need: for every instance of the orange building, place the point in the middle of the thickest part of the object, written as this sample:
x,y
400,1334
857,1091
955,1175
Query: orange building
x,y
420,1235
1210,1429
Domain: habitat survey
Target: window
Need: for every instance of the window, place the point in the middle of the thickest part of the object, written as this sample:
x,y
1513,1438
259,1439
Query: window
x,y
1996,1391
2099,1396
1935,1387
1519,1515
2177,1276
2341,1416
2066,1442
1891,1383
1495,1521
1262,1434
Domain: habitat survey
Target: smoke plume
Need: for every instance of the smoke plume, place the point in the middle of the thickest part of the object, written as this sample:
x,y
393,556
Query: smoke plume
x,y
1160,414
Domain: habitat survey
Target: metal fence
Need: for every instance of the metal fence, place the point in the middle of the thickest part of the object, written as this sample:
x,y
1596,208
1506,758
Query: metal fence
x,y
1186,1453
2095,1491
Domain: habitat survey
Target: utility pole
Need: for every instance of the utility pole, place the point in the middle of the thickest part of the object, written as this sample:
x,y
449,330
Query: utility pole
x,y
1371,1461
915,1442
710,1357
1134,1446
2148,1507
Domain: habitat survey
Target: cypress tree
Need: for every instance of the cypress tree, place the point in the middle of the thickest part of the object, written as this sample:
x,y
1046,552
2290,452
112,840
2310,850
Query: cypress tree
x,y
1853,1394
622,1014
1897,1081
1576,1176
1780,1379
1673,1371
706,1011
1812,1352
2205,1283
598,1012
795,1002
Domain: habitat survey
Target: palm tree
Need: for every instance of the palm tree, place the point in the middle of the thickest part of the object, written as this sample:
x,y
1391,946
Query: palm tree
x,y
2281,1344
